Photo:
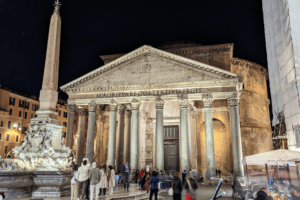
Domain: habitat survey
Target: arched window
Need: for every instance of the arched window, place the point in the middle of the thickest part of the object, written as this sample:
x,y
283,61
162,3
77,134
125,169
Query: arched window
x,y
7,137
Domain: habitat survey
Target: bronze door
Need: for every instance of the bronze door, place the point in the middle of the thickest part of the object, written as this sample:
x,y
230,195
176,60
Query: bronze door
x,y
171,148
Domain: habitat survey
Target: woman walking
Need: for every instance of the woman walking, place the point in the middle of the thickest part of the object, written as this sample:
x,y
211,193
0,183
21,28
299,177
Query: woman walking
x,y
103,182
111,179
153,185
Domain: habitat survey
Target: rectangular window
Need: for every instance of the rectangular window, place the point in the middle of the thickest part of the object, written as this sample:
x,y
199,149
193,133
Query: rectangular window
x,y
12,101
2,124
8,124
59,113
19,124
7,137
65,115
17,138
36,107
21,104
24,130
65,124
10,111
25,115
32,107
6,149
20,113
0,136
26,105
31,116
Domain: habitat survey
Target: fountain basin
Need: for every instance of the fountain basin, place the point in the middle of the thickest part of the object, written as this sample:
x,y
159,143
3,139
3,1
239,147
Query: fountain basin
x,y
23,184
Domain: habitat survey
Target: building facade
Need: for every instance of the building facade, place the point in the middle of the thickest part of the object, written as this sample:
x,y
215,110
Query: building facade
x,y
282,32
181,106
16,111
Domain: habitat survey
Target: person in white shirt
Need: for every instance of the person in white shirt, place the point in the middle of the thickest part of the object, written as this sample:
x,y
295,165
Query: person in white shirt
x,y
74,184
83,178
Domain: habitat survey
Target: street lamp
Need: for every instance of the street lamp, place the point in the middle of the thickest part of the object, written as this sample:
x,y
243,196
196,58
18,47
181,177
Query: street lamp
x,y
15,125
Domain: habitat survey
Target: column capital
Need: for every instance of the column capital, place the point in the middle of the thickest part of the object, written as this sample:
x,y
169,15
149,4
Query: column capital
x,y
183,103
121,109
135,104
113,105
207,102
191,107
71,108
92,107
128,113
82,112
233,102
159,103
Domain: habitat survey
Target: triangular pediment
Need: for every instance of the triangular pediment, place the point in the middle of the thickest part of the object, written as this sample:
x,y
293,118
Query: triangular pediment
x,y
148,66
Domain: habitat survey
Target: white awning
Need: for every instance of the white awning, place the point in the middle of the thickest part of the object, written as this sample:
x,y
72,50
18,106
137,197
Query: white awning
x,y
276,157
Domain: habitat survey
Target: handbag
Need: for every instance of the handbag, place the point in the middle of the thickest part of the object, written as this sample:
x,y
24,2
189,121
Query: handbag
x,y
171,191
188,196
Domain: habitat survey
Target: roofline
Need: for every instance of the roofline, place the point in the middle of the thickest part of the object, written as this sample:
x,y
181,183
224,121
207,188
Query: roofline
x,y
139,51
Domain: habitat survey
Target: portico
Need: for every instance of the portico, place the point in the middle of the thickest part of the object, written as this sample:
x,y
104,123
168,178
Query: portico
x,y
149,83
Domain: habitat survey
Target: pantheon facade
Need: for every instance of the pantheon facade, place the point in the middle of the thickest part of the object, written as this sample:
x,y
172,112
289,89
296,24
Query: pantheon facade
x,y
176,107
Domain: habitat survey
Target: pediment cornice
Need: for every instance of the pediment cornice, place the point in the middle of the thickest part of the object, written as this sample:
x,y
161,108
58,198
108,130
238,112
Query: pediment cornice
x,y
215,83
147,50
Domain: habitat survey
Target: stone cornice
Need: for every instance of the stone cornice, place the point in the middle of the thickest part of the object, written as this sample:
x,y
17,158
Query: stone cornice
x,y
154,86
181,51
147,50
246,63
254,94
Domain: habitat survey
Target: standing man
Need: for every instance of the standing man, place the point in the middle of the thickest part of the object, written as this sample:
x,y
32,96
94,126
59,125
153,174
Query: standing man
x,y
83,178
126,171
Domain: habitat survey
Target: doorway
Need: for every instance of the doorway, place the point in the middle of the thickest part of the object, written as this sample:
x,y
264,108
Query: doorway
x,y
171,148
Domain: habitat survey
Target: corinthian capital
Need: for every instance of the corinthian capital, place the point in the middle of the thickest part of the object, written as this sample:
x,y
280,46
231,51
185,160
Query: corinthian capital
x,y
113,105
71,108
82,112
128,113
233,102
159,103
183,103
92,107
207,102
135,104
121,109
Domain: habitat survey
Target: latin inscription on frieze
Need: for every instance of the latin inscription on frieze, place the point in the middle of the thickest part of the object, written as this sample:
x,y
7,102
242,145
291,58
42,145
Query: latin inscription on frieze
x,y
163,92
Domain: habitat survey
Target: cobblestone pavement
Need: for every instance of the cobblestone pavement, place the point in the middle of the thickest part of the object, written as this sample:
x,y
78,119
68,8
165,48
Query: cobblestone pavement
x,y
203,193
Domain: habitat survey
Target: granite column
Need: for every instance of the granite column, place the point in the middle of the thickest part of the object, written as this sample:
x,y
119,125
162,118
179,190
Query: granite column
x,y
70,129
184,156
112,134
134,147
80,136
126,155
237,151
120,138
91,132
159,103
209,137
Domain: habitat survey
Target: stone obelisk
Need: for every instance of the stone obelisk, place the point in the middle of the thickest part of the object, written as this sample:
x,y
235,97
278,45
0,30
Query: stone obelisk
x,y
49,94
43,144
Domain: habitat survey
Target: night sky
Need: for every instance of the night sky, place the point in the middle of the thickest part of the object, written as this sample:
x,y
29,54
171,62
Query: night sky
x,y
93,27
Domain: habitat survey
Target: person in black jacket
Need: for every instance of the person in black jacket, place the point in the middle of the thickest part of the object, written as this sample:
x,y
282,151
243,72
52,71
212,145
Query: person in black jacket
x,y
177,187
263,194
